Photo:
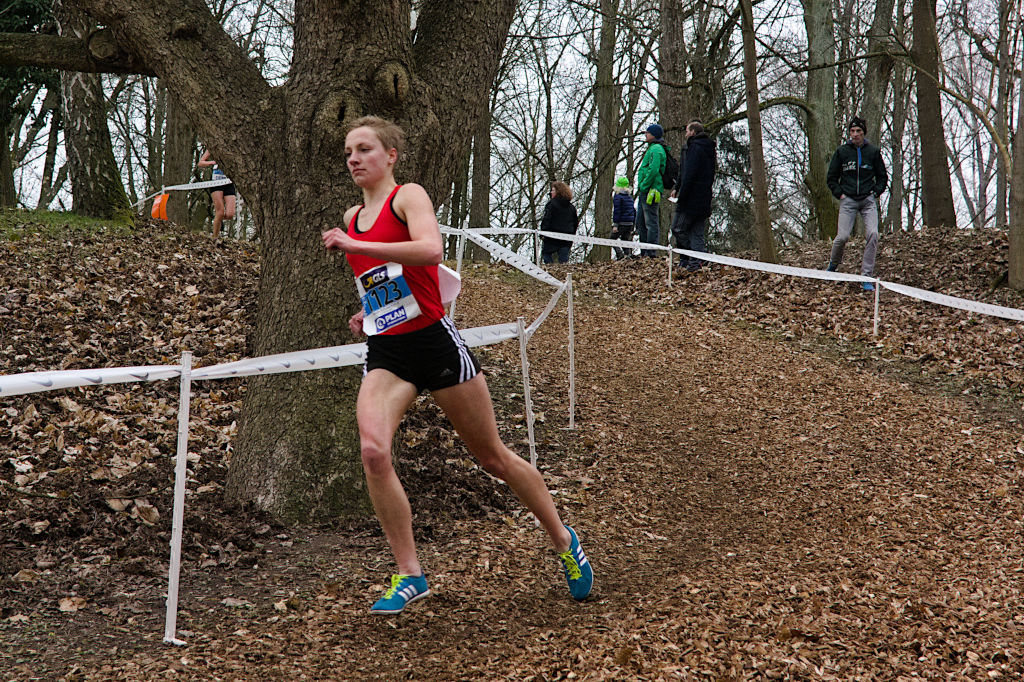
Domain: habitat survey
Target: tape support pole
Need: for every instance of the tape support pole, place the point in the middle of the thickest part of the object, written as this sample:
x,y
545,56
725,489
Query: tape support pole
x,y
180,475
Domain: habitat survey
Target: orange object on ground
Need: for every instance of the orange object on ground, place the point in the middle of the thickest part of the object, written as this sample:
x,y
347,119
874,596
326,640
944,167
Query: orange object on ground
x,y
160,207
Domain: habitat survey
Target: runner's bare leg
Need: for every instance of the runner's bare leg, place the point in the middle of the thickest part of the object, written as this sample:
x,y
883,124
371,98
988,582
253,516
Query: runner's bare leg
x,y
383,401
468,407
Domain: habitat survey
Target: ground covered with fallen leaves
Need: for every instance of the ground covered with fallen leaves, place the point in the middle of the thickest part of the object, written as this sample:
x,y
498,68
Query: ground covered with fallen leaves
x,y
766,489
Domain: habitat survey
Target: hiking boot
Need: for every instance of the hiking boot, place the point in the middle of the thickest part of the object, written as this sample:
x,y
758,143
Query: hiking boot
x,y
832,267
868,286
577,569
405,589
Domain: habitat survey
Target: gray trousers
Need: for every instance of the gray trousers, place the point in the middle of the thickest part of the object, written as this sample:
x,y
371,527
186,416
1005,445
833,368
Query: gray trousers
x,y
848,210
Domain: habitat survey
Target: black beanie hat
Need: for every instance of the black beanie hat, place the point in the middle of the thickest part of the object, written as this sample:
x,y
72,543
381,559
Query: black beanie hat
x,y
858,122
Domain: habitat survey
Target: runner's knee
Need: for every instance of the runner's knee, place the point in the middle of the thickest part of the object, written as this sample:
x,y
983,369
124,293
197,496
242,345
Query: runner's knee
x,y
494,460
376,459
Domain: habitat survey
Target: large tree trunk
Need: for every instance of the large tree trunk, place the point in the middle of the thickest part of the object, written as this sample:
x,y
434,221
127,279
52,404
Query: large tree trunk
x,y
894,211
673,105
758,173
821,113
1016,256
606,153
880,65
937,190
480,203
1004,81
95,180
298,453
8,192
179,152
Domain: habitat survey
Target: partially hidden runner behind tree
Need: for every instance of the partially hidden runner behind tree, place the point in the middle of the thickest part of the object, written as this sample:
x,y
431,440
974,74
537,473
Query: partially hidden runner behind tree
x,y
223,196
394,245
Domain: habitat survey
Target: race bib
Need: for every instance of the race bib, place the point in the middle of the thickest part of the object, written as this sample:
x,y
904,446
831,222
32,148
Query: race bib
x,y
387,298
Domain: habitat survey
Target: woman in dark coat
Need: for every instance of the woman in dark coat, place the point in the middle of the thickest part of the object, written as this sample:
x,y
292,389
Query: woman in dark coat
x,y
559,216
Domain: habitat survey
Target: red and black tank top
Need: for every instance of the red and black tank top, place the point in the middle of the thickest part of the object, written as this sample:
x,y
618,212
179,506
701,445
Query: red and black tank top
x,y
421,279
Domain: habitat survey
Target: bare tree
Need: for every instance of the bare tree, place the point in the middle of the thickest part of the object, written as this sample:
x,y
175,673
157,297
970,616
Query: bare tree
x,y
96,184
937,192
821,112
1016,255
606,97
758,172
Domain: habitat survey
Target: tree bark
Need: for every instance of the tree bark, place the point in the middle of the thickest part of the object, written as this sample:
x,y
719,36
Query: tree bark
x,y
1016,255
97,53
297,454
179,151
894,211
1004,68
879,67
937,190
673,109
95,179
8,192
480,203
758,173
821,113
606,153
48,187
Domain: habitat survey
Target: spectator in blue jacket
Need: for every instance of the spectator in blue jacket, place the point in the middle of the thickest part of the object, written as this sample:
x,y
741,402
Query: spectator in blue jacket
x,y
623,215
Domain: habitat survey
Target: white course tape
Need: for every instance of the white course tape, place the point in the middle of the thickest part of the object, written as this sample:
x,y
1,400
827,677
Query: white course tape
x,y
600,241
954,302
775,269
35,382
513,259
809,273
138,204
298,361
485,336
547,311
201,185
334,356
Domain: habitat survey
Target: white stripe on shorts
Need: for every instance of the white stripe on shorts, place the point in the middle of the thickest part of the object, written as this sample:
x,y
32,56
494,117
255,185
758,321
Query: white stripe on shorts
x,y
467,370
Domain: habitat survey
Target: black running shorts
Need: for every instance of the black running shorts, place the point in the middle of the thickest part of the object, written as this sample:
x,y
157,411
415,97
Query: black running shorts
x,y
431,358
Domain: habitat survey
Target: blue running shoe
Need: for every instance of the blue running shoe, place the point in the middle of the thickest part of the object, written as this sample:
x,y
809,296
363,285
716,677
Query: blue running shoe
x,y
405,589
578,573
868,286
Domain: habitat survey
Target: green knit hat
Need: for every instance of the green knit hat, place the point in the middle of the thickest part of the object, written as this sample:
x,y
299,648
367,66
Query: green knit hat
x,y
622,182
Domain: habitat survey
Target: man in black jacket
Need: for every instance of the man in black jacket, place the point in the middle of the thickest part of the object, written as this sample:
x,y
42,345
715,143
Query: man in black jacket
x,y
693,193
857,177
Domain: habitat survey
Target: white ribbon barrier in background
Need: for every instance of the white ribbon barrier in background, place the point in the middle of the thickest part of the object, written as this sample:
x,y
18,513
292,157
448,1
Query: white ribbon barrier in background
x,y
539,274
807,273
203,184
206,184
954,302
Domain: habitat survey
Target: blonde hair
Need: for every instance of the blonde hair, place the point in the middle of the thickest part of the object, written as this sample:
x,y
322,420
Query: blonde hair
x,y
389,134
562,190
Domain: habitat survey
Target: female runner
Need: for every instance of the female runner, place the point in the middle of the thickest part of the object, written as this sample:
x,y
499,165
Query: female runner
x,y
394,245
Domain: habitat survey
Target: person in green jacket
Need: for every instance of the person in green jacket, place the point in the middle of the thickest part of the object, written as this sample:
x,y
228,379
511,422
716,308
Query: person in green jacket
x,y
649,187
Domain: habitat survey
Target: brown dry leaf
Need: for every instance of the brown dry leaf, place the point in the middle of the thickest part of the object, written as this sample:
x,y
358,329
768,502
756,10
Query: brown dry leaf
x,y
118,504
146,512
71,604
26,575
